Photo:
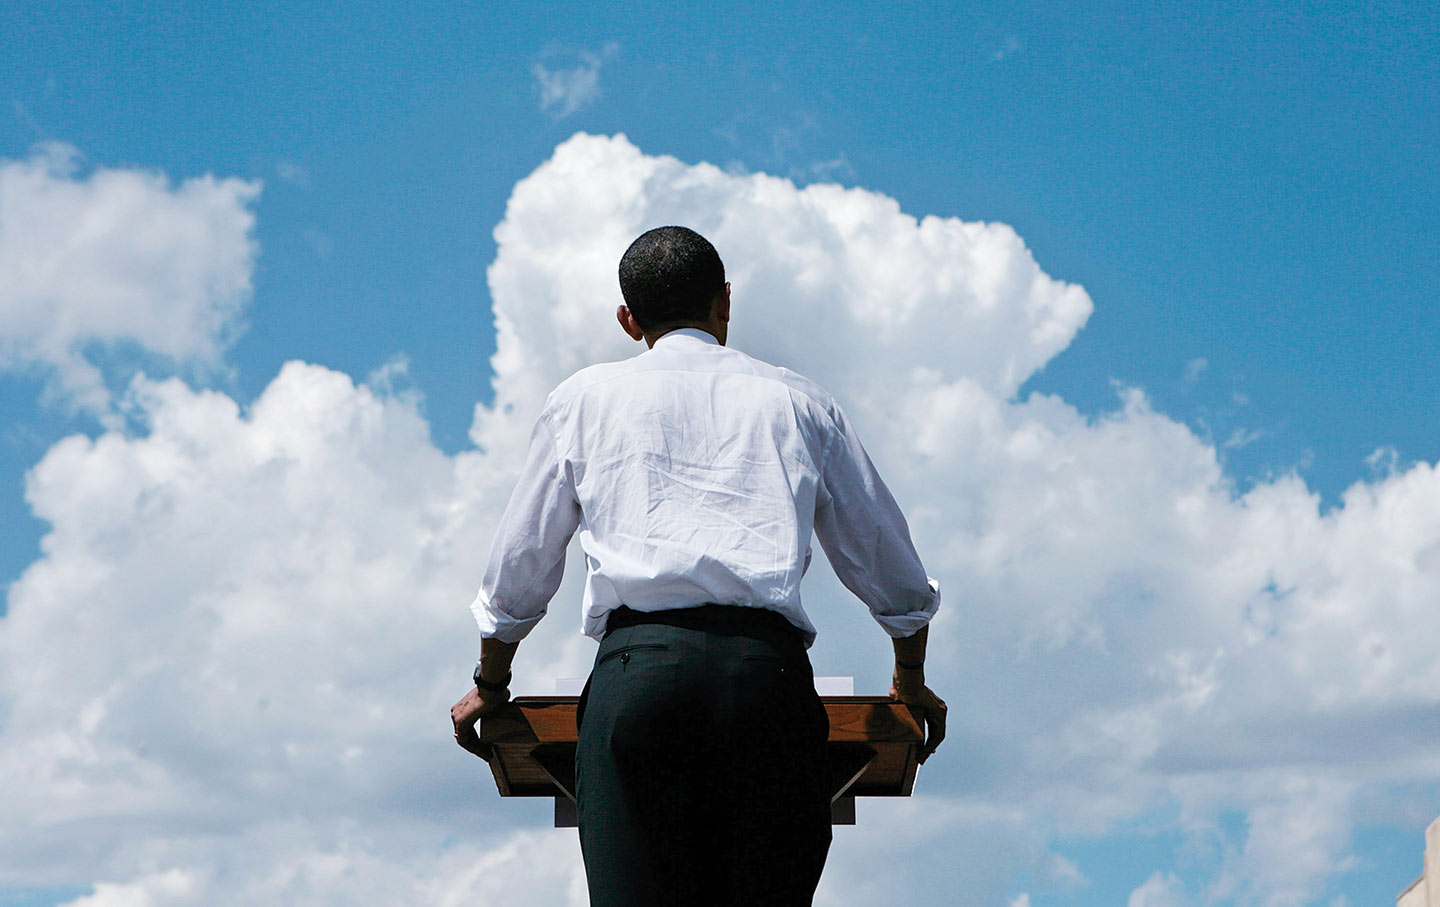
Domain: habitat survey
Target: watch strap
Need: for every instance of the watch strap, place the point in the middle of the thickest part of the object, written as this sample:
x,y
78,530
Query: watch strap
x,y
484,685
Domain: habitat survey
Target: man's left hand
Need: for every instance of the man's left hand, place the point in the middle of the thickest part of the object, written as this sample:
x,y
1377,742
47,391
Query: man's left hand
x,y
909,687
473,706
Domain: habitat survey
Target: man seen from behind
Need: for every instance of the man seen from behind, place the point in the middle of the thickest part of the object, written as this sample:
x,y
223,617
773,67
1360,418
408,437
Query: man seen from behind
x,y
696,477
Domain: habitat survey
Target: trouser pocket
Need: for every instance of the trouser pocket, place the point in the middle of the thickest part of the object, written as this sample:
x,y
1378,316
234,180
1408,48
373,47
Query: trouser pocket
x,y
625,653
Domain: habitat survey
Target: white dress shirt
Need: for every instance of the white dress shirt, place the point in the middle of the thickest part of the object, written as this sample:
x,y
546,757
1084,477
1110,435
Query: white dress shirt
x,y
696,475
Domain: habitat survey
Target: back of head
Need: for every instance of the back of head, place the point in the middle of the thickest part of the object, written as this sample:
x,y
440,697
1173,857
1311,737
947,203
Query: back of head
x,y
670,276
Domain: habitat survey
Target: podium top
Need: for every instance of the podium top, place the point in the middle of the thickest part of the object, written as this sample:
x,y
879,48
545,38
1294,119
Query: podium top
x,y
873,746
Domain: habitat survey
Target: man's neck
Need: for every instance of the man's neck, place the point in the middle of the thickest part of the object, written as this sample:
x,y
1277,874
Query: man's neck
x,y
716,331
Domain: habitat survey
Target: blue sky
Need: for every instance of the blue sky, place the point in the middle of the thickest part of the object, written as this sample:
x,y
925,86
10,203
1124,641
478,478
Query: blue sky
x,y
1246,194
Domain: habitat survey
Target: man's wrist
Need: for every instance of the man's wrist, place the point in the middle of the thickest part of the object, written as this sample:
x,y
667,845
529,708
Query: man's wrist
x,y
910,666
487,686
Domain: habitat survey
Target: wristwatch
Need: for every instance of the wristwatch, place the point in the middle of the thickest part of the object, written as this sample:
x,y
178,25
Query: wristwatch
x,y
484,685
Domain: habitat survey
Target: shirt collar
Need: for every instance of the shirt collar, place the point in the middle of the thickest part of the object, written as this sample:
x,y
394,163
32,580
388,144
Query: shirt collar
x,y
700,334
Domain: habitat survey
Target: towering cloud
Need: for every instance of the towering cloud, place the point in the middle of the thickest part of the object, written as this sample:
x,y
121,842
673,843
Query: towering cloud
x,y
248,622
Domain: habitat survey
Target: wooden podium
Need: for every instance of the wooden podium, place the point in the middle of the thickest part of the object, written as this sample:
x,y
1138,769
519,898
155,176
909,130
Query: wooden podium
x,y
873,747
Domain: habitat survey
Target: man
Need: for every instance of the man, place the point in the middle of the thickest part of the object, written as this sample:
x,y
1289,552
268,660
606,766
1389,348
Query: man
x,y
696,476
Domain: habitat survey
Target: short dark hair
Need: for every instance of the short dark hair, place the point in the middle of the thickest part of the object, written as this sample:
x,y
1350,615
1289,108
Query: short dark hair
x,y
670,276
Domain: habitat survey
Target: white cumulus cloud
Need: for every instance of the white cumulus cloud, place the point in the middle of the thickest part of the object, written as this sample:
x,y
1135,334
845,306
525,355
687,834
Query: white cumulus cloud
x,y
248,621
94,261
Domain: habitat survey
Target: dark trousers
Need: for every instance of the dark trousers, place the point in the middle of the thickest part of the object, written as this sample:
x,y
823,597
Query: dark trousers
x,y
700,773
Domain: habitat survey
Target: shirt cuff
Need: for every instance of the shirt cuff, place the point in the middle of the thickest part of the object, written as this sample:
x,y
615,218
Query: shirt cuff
x,y
899,626
496,624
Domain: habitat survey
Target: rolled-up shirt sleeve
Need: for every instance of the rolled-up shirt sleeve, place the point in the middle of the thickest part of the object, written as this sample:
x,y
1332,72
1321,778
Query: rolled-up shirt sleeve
x,y
866,538
527,557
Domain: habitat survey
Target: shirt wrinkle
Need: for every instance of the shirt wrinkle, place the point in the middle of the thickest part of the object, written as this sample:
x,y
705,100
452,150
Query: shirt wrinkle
x,y
696,474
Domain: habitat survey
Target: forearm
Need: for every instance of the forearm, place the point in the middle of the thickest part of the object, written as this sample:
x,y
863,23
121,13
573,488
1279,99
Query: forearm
x,y
909,687
495,659
910,650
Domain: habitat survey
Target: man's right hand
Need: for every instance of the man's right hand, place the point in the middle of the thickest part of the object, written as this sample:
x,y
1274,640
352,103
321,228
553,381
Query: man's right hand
x,y
909,687
471,708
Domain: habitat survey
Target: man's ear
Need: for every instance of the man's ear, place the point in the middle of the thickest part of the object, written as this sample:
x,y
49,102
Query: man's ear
x,y
628,322
725,305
